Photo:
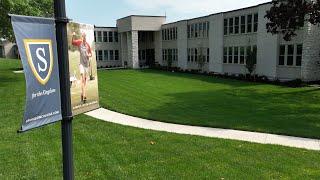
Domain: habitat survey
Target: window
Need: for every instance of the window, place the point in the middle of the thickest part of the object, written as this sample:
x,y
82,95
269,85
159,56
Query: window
x,y
282,54
171,33
249,23
105,36
116,55
236,25
230,55
236,55
255,26
100,56
116,37
195,54
95,36
290,55
163,55
192,54
205,33
170,55
188,31
208,54
243,24
248,50
99,39
196,31
105,55
111,55
167,34
208,28
176,33
242,55
192,30
255,50
225,55
200,30
299,55
162,34
231,26
225,26
189,55
110,36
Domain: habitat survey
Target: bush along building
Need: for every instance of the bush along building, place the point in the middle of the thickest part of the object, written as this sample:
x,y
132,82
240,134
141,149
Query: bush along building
x,y
219,43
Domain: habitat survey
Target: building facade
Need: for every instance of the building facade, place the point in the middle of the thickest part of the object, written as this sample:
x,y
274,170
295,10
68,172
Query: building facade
x,y
8,49
222,41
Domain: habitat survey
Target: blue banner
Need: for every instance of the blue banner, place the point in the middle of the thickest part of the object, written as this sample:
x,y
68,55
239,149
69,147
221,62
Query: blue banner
x,y
36,40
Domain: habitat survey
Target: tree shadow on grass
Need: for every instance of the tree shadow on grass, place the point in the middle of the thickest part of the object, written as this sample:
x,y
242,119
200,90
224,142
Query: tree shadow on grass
x,y
278,113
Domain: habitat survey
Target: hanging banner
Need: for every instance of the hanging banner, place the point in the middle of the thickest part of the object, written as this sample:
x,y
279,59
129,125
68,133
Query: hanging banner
x,y
83,68
37,46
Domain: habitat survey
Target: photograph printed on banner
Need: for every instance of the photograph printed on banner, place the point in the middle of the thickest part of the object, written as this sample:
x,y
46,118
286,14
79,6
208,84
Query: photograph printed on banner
x,y
83,68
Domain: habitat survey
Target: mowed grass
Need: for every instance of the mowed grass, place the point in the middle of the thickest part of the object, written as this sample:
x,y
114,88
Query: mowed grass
x,y
207,101
109,151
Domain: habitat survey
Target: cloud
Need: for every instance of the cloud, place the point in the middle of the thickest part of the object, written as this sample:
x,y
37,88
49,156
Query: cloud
x,y
192,6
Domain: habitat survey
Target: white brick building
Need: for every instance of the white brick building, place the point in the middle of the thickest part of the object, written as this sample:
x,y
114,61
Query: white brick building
x,y
223,39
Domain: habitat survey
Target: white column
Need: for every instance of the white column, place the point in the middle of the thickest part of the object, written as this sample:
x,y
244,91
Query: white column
x,y
133,47
310,69
267,47
216,43
182,44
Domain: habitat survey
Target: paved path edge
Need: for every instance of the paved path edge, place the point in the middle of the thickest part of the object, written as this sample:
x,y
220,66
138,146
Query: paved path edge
x,y
255,137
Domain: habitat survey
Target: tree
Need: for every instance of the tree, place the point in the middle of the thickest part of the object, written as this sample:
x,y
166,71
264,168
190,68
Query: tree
x,y
251,61
287,16
43,8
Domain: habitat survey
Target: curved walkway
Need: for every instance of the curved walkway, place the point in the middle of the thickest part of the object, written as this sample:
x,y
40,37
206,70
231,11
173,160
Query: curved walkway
x,y
262,138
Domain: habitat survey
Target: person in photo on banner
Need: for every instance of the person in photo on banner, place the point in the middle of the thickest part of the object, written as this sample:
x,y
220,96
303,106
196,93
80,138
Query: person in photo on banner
x,y
84,66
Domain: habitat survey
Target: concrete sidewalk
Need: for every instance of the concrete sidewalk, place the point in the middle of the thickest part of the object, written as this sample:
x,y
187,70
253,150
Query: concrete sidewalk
x,y
262,138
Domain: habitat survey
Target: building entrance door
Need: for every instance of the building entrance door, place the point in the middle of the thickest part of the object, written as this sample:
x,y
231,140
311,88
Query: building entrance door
x,y
150,57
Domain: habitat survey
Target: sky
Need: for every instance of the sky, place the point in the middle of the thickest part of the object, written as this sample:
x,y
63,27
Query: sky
x,y
106,12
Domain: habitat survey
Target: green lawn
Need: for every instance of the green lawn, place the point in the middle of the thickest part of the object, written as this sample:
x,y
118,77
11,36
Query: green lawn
x,y
206,101
109,151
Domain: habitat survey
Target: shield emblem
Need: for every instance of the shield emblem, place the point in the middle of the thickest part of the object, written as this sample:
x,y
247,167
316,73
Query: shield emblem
x,y
40,58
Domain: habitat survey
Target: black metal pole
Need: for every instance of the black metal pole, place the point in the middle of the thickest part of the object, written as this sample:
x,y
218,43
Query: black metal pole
x,y
63,59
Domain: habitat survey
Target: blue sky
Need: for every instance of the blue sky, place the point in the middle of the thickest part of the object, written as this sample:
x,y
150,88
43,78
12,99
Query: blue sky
x,y
106,12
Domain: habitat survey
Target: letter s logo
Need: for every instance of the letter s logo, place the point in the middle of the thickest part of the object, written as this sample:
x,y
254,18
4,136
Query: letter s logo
x,y
42,59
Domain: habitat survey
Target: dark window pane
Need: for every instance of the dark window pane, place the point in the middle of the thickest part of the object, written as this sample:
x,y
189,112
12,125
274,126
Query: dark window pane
x,y
255,27
225,26
231,25
298,60
290,49
282,49
243,24
236,55
105,36
106,57
290,60
249,23
230,54
236,27
299,49
281,60
110,36
116,36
